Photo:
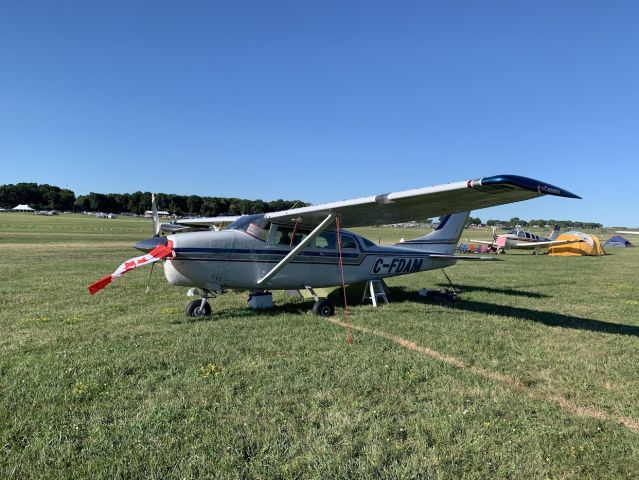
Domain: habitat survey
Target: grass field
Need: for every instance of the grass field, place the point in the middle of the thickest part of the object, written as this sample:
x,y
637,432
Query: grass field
x,y
532,374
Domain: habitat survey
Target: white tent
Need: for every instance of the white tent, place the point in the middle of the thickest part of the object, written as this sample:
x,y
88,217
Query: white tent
x,y
22,208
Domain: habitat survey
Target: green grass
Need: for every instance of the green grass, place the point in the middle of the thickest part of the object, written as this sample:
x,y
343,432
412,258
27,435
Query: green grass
x,y
122,385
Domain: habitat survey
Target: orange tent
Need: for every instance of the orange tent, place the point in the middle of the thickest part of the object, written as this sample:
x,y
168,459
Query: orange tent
x,y
586,245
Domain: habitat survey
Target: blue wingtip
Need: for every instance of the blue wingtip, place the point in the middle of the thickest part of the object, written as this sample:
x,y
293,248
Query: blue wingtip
x,y
528,184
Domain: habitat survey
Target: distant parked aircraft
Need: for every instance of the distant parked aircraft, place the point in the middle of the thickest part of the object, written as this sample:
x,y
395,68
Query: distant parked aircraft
x,y
521,239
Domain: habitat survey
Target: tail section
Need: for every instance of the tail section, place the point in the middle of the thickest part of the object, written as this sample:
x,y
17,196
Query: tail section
x,y
555,232
444,238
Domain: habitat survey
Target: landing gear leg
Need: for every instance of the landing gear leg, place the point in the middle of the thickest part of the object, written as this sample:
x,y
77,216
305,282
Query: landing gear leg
x,y
199,307
323,307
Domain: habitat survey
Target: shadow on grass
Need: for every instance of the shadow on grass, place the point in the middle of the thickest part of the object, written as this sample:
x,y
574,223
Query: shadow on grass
x,y
290,307
501,291
402,295
552,319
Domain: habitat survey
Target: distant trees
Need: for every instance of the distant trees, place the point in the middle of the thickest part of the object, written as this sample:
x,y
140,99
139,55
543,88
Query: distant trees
x,y
139,202
515,221
40,197
473,221
50,197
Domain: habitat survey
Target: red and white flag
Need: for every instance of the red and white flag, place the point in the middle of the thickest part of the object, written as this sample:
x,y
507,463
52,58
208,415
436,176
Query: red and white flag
x,y
158,253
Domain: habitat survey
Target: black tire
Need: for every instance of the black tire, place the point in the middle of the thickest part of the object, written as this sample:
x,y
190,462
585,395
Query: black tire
x,y
194,309
324,308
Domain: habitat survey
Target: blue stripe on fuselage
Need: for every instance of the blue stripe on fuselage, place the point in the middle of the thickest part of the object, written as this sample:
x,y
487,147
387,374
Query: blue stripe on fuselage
x,y
249,251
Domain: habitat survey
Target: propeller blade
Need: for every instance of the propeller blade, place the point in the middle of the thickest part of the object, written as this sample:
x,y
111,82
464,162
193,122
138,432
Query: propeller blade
x,y
150,243
156,218
158,253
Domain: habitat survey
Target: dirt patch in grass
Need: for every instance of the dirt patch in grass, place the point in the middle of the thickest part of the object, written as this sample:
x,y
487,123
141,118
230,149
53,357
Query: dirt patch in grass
x,y
536,393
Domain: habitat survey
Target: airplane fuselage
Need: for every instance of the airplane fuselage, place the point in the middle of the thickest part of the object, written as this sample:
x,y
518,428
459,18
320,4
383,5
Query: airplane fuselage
x,y
517,237
214,260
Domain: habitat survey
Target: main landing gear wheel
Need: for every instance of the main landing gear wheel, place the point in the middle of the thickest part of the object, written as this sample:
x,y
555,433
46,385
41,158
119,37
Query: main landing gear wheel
x,y
324,308
195,309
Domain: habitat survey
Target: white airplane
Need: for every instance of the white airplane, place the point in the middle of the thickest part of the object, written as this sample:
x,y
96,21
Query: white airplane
x,y
521,239
627,232
307,247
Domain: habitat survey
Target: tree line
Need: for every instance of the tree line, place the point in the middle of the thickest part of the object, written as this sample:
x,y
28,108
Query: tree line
x,y
50,197
40,197
139,202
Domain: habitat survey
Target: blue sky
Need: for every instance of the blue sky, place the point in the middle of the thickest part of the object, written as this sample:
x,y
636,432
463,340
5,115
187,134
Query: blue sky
x,y
324,101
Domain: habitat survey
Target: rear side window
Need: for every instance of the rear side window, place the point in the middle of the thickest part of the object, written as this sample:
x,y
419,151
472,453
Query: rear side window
x,y
348,242
326,240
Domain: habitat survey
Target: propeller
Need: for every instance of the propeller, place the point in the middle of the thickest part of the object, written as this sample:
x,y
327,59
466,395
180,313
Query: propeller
x,y
156,248
494,232
154,216
160,252
156,234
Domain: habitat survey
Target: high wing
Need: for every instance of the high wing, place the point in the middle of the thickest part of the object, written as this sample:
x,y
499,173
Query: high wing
x,y
545,243
190,224
422,203
207,221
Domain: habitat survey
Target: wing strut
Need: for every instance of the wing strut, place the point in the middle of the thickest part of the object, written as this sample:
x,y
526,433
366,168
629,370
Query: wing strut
x,y
302,245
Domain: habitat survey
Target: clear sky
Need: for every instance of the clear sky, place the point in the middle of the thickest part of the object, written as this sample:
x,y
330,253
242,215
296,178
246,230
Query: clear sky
x,y
324,101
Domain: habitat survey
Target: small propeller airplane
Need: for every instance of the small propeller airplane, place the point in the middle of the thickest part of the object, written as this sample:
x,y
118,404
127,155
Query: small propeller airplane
x,y
521,239
308,247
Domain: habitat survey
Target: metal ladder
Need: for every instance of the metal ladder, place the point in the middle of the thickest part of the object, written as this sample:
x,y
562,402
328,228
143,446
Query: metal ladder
x,y
373,290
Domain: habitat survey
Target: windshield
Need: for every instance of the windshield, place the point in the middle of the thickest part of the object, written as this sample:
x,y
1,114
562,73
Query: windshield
x,y
244,221
254,225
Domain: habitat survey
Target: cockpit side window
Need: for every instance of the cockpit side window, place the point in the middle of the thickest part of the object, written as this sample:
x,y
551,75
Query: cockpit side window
x,y
289,236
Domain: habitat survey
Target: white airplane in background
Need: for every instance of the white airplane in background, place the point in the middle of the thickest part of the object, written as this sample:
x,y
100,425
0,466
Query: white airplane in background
x,y
521,239
309,248
627,232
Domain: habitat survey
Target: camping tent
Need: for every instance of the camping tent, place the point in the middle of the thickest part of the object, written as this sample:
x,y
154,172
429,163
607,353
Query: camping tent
x,y
587,245
22,208
618,241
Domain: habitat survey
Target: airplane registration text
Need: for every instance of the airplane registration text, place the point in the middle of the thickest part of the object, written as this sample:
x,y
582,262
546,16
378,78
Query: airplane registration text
x,y
396,265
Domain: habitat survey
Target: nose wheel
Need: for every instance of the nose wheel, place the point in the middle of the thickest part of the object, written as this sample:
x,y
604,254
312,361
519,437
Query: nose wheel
x,y
200,307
